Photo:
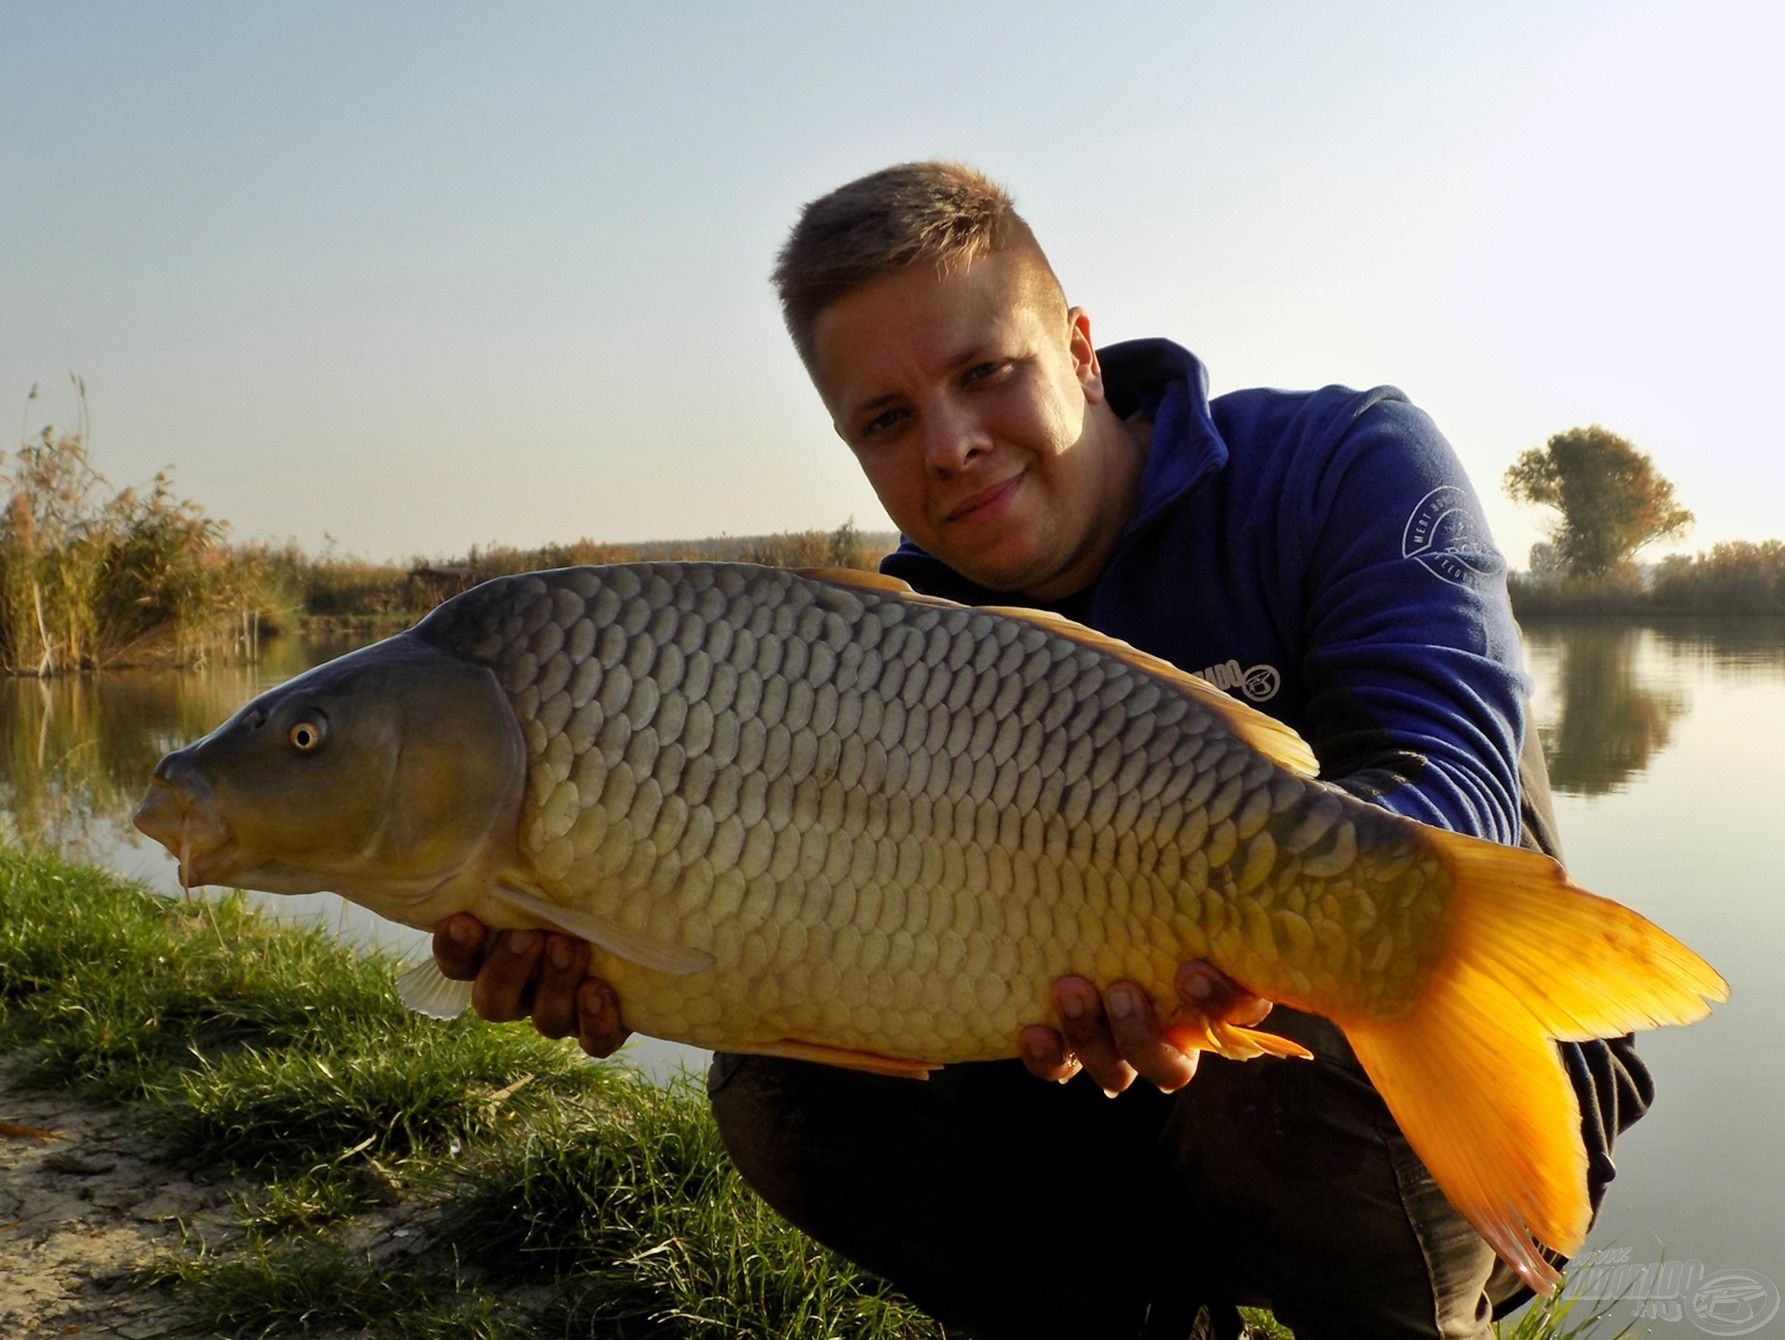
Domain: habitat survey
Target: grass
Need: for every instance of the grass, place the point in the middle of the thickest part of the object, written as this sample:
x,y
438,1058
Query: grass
x,y
401,1177
404,1178
639,1208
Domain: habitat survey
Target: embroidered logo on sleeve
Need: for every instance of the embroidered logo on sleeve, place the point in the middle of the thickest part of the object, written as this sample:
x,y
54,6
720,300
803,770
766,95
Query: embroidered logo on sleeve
x,y
1444,534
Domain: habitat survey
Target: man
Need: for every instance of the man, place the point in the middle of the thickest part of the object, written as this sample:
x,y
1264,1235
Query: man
x,y
1319,553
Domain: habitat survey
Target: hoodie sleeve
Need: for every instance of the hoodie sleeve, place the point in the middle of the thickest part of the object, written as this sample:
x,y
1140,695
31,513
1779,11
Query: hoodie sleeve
x,y
1417,693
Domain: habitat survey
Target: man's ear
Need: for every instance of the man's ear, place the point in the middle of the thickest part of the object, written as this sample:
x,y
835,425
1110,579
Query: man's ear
x,y
1084,354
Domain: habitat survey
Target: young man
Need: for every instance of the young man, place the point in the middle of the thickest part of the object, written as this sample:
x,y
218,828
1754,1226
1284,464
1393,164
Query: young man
x,y
1320,554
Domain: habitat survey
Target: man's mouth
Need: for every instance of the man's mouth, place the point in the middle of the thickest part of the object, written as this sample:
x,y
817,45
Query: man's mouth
x,y
985,504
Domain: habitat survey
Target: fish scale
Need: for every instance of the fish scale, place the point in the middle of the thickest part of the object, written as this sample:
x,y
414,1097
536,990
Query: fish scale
x,y
725,756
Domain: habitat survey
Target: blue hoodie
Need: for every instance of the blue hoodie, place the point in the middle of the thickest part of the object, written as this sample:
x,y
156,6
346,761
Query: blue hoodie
x,y
1322,555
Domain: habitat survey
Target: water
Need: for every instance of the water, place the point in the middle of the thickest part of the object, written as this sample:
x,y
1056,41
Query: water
x,y
1667,749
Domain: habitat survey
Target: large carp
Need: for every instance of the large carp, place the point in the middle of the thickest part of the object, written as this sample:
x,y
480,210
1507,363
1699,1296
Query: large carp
x,y
818,815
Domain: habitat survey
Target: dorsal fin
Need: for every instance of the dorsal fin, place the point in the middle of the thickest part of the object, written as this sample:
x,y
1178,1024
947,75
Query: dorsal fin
x,y
875,581
1266,734
869,581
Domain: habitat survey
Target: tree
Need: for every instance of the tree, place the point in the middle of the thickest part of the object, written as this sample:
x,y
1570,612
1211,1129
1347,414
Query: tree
x,y
1611,498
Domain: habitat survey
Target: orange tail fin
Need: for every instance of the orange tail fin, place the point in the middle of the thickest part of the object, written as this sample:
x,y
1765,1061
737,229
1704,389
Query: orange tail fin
x,y
1471,1072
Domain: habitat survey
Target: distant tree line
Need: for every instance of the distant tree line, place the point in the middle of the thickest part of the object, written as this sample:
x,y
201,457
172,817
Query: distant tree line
x,y
1611,501
90,577
333,588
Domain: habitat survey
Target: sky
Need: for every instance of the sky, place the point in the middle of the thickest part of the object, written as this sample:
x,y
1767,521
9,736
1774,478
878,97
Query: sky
x,y
401,279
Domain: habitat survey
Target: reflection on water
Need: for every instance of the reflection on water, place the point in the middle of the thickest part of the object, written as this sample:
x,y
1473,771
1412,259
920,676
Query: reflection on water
x,y
79,749
1610,694
1609,720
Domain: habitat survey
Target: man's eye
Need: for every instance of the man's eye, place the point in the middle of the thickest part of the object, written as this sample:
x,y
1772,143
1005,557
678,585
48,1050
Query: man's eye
x,y
981,371
880,423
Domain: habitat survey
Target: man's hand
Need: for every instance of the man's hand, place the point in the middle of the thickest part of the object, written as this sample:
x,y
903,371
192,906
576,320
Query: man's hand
x,y
1118,1037
514,974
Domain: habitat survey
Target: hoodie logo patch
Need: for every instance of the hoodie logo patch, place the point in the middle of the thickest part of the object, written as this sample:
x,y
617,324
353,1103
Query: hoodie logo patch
x,y
1259,682
1444,535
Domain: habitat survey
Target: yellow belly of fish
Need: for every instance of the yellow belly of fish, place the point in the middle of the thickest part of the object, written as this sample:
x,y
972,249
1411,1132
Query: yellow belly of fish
x,y
894,824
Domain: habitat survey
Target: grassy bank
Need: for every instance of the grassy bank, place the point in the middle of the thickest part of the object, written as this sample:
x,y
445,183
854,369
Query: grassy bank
x,y
402,1177
537,1194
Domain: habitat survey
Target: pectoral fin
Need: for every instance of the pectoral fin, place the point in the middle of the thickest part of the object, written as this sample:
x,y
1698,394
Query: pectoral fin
x,y
677,960
426,990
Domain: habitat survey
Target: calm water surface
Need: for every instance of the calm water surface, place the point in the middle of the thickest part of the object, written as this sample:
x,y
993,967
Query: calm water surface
x,y
1666,746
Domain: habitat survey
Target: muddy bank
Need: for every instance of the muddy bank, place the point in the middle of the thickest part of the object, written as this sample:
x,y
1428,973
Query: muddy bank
x,y
81,1211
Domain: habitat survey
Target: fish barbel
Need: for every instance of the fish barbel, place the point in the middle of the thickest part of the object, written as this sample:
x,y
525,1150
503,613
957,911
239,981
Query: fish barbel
x,y
818,815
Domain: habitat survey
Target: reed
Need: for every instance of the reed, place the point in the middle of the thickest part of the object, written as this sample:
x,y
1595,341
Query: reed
x,y
91,578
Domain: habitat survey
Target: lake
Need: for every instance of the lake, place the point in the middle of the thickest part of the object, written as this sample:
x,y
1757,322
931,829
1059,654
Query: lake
x,y
1667,750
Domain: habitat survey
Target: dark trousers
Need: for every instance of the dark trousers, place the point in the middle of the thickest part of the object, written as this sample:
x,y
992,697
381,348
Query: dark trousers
x,y
1009,1207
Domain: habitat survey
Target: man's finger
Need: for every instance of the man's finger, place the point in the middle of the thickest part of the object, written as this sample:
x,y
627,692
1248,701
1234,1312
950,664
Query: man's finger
x,y
1216,996
599,1030
1045,1054
554,1002
1087,1034
458,946
1135,1029
503,989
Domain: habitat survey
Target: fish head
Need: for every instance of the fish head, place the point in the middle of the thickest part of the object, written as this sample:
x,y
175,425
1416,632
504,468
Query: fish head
x,y
393,776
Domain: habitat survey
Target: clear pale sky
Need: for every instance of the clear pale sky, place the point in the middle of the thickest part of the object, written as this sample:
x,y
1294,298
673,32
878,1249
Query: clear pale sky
x,y
416,277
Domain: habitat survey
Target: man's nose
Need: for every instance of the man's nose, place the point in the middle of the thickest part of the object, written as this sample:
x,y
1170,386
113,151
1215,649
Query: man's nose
x,y
953,437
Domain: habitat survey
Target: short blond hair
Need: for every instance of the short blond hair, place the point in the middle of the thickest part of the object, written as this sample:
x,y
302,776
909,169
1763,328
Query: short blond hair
x,y
939,213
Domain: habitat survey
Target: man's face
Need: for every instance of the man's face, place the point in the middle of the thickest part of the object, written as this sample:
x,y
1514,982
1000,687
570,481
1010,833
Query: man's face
x,y
974,404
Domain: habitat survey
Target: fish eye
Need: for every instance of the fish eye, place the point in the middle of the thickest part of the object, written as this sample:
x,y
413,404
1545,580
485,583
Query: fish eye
x,y
306,735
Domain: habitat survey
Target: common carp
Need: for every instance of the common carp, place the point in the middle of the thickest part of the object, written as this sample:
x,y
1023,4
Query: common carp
x,y
818,815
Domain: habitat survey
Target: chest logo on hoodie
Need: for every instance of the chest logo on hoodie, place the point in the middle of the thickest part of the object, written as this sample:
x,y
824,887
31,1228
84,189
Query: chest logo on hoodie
x,y
1259,682
1446,536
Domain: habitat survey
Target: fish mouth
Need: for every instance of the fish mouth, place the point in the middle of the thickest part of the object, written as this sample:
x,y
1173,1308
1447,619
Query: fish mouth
x,y
191,830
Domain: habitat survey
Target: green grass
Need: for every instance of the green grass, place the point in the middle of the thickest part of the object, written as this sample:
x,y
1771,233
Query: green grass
x,y
637,1205
285,1287
405,1178
537,1193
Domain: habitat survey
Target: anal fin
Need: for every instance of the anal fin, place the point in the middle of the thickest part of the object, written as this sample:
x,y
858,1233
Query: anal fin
x,y
1232,1041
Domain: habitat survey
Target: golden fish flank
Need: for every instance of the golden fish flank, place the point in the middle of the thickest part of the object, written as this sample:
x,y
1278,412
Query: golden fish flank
x,y
901,820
